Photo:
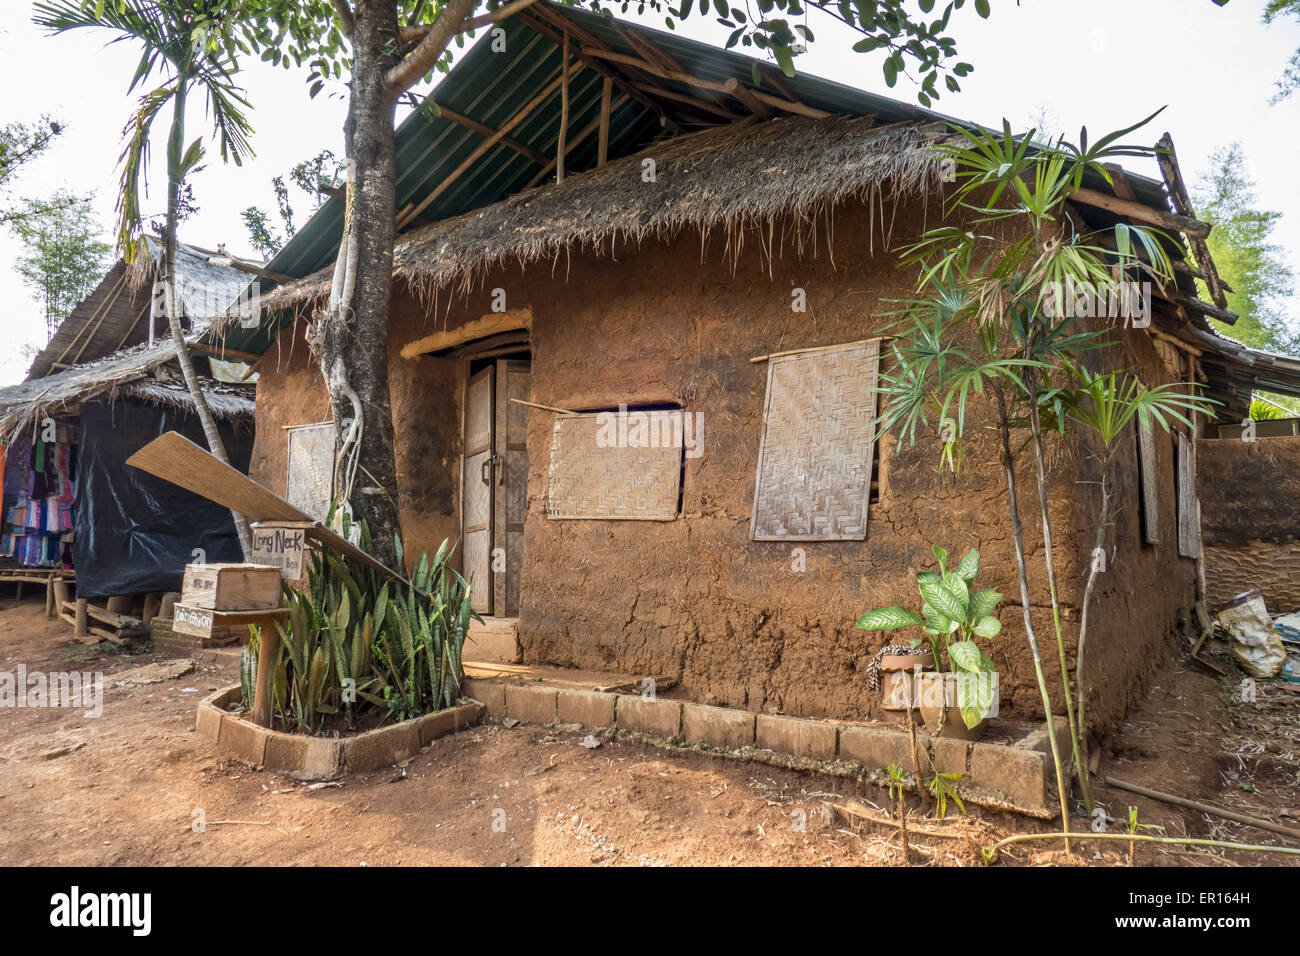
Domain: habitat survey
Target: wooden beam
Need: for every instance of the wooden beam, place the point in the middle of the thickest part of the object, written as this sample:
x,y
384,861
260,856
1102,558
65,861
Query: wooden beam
x,y
1119,182
484,326
694,101
564,111
746,96
483,129
1140,212
1214,312
583,56
224,354
787,106
1167,159
602,150
580,138
491,141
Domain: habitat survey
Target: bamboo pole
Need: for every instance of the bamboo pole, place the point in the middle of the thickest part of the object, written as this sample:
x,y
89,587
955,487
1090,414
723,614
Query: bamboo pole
x,y
564,111
606,90
1268,825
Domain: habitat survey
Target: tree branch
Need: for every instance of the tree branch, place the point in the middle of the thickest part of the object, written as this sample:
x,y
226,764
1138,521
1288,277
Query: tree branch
x,y
421,60
496,16
344,9
412,33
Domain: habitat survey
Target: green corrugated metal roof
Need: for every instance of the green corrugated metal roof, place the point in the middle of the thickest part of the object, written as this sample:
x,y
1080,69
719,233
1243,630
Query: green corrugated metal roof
x,y
491,87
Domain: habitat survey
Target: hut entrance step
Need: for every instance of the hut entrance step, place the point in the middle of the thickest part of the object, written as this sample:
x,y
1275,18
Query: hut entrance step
x,y
495,641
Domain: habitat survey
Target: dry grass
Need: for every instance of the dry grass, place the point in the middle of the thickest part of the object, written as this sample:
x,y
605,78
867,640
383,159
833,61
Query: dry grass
x,y
731,179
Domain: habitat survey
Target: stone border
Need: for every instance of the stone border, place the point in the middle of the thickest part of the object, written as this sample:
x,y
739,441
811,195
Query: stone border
x,y
324,758
1018,776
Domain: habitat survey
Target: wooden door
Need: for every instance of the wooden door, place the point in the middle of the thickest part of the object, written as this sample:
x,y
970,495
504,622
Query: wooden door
x,y
476,487
511,486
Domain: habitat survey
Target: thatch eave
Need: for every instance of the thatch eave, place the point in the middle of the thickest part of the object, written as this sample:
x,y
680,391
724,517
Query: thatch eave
x,y
133,373
725,178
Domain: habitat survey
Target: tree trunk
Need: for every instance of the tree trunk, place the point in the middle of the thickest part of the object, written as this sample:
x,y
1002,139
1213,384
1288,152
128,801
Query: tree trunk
x,y
175,149
350,338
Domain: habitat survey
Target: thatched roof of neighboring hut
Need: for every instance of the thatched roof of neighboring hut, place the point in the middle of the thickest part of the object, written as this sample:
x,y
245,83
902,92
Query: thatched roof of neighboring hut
x,y
722,179
145,373
115,314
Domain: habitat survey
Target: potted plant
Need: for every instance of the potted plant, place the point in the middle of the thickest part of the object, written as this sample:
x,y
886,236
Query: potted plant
x,y
956,700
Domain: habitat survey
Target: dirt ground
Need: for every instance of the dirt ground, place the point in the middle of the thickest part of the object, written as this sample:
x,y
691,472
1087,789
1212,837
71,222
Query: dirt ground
x,y
126,789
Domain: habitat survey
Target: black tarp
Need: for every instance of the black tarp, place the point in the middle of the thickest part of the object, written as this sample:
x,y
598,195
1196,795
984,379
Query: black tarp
x,y
135,532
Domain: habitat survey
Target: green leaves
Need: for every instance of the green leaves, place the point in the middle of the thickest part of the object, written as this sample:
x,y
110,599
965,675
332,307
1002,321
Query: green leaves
x,y
942,595
964,655
983,602
951,613
889,619
969,566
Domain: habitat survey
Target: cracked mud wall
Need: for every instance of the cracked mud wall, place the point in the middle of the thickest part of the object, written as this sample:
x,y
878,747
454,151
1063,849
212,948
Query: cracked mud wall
x,y
1249,523
695,598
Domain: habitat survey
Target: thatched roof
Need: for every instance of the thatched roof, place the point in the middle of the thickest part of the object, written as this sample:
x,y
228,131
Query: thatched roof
x,y
114,315
726,178
146,373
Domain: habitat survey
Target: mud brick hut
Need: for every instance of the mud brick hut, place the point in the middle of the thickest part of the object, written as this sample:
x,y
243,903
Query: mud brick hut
x,y
698,212
98,391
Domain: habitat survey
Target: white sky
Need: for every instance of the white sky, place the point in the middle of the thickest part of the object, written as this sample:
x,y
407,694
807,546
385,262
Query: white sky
x,y
1106,63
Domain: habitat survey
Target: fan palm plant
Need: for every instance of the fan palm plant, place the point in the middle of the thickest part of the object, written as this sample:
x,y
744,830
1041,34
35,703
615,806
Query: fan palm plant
x,y
192,46
983,322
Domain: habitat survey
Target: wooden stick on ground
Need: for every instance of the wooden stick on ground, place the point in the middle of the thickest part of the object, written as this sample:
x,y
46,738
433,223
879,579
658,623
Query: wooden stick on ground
x,y
1205,808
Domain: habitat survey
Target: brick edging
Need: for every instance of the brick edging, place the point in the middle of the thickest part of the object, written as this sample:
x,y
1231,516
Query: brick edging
x,y
1001,776
324,758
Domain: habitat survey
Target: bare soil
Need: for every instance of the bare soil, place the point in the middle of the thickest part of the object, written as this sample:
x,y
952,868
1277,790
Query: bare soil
x,y
127,788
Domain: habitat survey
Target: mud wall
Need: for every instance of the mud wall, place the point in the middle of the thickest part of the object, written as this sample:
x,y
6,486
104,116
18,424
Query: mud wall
x,y
732,619
1143,601
426,395
1250,526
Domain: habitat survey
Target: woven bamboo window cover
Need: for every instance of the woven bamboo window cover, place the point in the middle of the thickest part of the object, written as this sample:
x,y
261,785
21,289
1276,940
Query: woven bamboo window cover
x,y
602,480
814,461
1147,470
309,481
1189,531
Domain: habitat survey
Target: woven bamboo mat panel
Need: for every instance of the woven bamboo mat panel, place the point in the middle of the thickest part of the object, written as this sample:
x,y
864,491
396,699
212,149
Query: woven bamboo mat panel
x,y
814,465
590,481
1189,544
309,484
1150,502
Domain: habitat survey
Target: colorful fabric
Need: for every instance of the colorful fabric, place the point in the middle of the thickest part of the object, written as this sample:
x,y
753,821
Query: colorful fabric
x,y
39,492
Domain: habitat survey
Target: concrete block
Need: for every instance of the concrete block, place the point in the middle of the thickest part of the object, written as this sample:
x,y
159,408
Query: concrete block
x,y
587,707
879,746
648,715
531,704
492,694
381,748
718,726
796,736
1020,775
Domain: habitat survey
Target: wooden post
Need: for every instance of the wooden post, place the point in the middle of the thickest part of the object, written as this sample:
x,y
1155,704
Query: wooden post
x,y
62,594
564,111
83,628
49,597
606,90
263,697
168,604
152,600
